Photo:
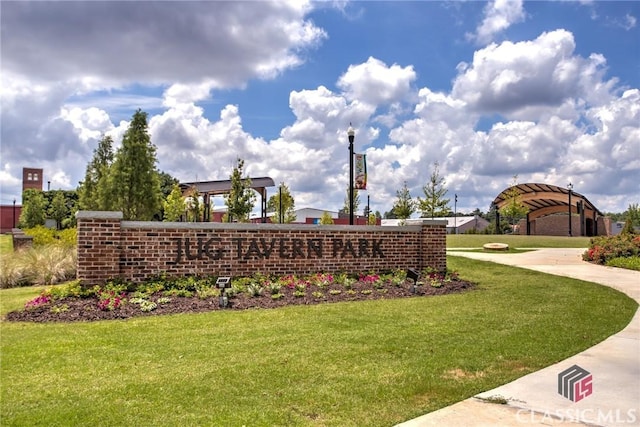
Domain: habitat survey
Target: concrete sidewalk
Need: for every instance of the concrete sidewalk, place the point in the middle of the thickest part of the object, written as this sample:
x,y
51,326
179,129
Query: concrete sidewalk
x,y
534,399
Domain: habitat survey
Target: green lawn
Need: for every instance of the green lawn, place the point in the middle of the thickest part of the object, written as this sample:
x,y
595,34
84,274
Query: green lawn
x,y
373,363
6,244
515,241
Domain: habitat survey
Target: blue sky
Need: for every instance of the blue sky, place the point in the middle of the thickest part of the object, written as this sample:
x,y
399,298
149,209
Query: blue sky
x,y
547,91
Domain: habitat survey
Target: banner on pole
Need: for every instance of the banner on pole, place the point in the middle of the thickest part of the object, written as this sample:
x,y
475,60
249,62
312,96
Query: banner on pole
x,y
361,172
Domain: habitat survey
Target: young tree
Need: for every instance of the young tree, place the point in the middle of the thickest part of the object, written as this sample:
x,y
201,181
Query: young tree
x,y
434,204
288,205
241,198
33,209
93,191
326,219
356,201
372,219
134,181
514,209
194,208
404,206
58,209
632,217
174,205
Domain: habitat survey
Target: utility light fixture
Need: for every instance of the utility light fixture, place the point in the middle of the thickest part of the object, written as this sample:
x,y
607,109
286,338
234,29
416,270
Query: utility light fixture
x,y
413,275
223,283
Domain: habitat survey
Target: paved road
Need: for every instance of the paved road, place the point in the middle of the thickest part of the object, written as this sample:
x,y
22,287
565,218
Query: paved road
x,y
614,364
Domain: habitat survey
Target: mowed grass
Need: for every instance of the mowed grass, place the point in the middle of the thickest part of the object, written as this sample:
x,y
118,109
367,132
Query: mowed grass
x,y
373,363
6,244
516,241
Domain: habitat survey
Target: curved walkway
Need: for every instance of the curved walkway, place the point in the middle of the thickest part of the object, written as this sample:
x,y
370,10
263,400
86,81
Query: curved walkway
x,y
534,399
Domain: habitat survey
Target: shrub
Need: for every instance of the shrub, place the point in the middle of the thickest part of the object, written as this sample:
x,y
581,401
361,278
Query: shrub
x,y
43,236
605,248
109,300
42,299
630,263
205,290
72,289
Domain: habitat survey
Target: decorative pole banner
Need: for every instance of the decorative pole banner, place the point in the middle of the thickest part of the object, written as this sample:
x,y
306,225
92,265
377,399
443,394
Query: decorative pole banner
x,y
361,172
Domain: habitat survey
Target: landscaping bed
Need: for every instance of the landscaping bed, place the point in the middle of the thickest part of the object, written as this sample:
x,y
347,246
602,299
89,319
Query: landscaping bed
x,y
72,302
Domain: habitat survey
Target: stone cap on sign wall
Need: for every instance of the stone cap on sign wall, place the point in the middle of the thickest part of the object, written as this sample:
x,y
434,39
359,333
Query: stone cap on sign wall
x,y
99,215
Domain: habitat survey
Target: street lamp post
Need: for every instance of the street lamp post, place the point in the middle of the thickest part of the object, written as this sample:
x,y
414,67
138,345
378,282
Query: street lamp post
x,y
455,213
281,216
368,209
14,213
570,187
351,134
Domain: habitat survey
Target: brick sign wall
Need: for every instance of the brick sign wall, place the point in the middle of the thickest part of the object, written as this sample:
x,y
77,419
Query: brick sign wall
x,y
109,247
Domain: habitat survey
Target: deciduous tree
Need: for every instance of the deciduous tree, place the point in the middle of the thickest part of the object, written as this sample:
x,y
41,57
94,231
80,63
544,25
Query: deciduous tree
x,y
514,209
58,209
288,205
356,201
241,198
33,209
326,219
174,205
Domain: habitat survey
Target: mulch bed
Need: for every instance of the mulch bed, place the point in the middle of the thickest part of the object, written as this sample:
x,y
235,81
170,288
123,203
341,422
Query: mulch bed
x,y
86,309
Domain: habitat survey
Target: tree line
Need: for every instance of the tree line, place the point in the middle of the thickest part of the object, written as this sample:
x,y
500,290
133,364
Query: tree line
x,y
128,180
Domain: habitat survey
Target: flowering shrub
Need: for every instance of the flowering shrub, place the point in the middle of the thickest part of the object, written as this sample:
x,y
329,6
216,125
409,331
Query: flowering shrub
x,y
605,248
41,299
293,282
110,300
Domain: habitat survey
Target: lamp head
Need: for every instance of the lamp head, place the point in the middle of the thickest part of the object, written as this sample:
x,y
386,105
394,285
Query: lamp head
x,y
412,274
351,133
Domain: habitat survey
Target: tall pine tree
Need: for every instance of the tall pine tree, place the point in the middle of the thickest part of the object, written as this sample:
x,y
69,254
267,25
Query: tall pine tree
x,y
134,182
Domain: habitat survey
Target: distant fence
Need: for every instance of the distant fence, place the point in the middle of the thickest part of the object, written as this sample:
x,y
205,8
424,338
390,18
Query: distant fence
x,y
109,247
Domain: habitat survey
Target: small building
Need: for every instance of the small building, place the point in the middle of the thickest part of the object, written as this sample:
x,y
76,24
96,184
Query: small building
x,y
463,223
466,224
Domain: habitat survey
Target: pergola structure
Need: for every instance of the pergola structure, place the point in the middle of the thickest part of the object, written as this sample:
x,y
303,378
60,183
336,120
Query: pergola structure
x,y
546,199
216,188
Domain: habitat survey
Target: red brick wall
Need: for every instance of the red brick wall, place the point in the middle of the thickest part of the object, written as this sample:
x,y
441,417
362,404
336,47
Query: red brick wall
x,y
109,247
554,225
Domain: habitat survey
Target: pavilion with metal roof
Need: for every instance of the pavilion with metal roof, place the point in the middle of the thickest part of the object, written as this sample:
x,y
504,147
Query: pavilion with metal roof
x,y
215,188
545,199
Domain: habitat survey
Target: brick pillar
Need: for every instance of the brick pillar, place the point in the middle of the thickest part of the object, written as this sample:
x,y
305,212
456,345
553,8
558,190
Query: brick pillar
x,y
434,244
99,246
